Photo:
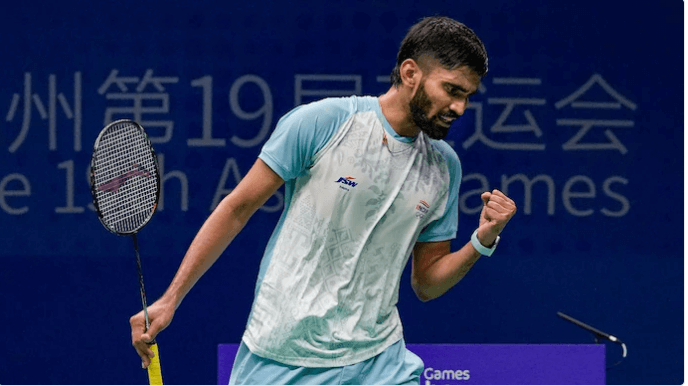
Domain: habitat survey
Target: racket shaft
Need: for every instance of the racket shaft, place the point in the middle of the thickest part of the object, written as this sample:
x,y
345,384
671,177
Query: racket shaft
x,y
154,373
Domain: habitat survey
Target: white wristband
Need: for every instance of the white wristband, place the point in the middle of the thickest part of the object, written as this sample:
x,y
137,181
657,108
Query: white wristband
x,y
483,250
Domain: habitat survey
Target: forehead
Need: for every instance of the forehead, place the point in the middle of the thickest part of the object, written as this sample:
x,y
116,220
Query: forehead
x,y
463,77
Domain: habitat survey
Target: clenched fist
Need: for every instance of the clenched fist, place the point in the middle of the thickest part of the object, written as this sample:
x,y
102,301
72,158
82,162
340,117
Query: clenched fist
x,y
498,209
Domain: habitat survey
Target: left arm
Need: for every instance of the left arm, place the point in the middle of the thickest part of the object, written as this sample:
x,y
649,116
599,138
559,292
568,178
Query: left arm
x,y
435,269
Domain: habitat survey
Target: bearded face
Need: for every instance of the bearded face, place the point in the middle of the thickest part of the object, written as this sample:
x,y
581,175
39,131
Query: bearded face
x,y
435,126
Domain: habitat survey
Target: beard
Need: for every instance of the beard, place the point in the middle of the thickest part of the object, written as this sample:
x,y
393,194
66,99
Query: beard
x,y
420,106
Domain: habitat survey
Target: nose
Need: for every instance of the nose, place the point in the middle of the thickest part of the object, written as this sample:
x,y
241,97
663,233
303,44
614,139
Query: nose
x,y
458,106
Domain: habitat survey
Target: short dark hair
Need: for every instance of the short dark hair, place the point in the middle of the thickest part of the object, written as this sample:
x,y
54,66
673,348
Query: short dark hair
x,y
446,40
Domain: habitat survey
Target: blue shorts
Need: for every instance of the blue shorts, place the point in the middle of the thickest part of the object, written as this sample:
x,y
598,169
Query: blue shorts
x,y
394,366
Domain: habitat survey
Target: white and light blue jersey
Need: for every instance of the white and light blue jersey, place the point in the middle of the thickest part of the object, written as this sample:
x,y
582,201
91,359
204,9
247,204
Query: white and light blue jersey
x,y
357,198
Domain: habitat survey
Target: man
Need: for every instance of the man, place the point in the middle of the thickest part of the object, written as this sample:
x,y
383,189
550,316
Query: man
x,y
368,182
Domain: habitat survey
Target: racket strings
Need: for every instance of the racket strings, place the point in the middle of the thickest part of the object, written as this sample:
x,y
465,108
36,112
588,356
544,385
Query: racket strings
x,y
126,178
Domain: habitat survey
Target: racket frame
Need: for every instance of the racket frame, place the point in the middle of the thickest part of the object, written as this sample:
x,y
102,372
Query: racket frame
x,y
92,182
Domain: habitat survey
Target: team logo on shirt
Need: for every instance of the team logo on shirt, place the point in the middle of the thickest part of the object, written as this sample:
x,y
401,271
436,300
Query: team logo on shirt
x,y
422,209
346,182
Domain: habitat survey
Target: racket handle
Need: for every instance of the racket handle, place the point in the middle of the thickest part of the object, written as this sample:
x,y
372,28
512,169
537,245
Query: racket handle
x,y
154,373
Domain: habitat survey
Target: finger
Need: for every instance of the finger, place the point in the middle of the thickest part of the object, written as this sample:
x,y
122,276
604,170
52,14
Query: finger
x,y
499,210
136,321
136,336
149,351
499,204
493,216
486,197
496,194
140,340
154,329
142,345
145,362
498,215
499,193
147,339
145,354
503,201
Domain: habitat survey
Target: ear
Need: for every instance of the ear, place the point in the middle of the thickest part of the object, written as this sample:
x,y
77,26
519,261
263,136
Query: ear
x,y
411,73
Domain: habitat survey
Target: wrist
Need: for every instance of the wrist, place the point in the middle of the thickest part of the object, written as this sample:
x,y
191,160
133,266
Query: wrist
x,y
485,246
486,238
170,299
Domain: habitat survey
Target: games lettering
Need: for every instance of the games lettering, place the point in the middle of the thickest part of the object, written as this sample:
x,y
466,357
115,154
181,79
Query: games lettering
x,y
433,376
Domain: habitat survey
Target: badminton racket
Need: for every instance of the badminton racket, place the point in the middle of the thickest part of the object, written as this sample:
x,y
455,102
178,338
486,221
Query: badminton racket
x,y
125,185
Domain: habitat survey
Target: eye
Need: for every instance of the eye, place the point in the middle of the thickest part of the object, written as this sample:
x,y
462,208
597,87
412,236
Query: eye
x,y
453,91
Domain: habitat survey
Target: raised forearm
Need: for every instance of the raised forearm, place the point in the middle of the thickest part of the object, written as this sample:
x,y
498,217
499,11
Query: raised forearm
x,y
436,269
442,272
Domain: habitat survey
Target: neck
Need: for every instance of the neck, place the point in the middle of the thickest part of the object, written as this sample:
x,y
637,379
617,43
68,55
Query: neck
x,y
395,107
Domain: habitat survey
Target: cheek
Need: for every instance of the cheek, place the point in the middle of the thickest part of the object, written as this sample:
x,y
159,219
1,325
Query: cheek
x,y
437,106
438,102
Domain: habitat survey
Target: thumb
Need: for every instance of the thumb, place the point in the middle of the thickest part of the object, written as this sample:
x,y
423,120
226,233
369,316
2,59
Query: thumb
x,y
486,197
151,333
156,325
148,338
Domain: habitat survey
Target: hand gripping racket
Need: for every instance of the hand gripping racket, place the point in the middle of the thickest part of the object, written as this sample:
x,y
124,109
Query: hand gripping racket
x,y
125,185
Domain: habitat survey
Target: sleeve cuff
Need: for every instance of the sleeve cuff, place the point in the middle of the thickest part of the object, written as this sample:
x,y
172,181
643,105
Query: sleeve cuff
x,y
274,165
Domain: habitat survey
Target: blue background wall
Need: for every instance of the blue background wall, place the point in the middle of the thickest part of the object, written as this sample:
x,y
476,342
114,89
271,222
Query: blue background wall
x,y
580,120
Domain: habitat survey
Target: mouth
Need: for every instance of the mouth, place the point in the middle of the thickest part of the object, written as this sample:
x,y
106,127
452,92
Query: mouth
x,y
445,120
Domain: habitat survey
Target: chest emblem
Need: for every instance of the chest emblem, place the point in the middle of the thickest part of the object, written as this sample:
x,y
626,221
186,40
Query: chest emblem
x,y
422,209
346,183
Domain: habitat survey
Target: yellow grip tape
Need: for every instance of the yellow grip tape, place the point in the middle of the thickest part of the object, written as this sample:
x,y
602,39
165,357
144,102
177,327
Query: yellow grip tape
x,y
154,373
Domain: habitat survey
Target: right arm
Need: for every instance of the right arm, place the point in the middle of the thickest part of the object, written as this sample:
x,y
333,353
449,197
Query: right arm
x,y
212,239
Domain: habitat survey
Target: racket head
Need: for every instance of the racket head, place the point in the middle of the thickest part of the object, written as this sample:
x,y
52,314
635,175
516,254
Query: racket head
x,y
124,177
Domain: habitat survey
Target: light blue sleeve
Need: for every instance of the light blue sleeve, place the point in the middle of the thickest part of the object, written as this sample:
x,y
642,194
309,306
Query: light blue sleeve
x,y
445,227
302,132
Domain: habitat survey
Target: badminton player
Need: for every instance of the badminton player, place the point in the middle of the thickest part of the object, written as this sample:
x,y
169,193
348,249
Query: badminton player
x,y
368,183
